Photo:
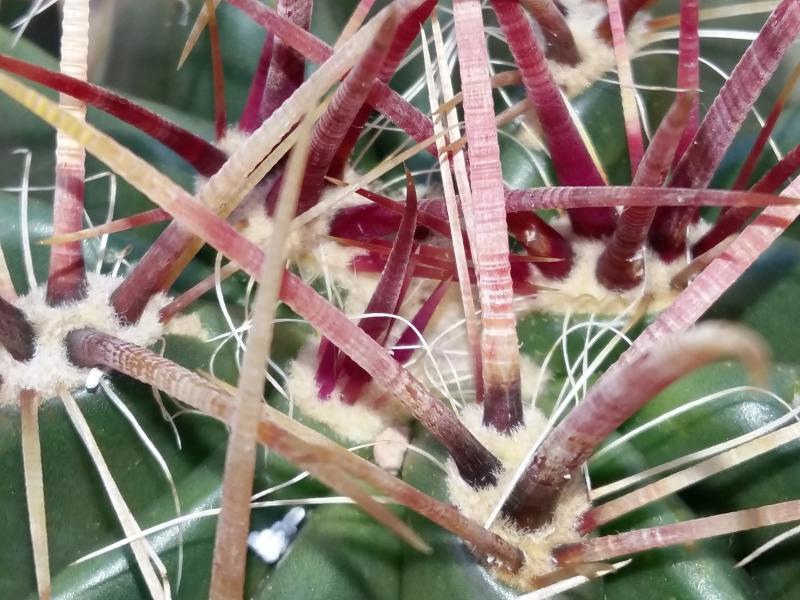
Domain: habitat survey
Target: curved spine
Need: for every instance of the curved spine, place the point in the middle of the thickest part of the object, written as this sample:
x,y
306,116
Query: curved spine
x,y
618,395
89,348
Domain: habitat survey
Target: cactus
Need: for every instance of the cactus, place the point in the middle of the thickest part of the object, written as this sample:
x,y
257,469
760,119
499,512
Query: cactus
x,y
410,299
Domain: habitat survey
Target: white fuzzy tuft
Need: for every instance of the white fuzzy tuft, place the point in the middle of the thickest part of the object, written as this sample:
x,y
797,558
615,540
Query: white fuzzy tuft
x,y
257,227
233,139
49,369
188,325
581,292
308,248
596,54
270,544
530,372
479,504
361,422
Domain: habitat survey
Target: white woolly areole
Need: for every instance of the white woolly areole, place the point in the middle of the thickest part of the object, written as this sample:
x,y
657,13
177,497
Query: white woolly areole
x,y
361,422
581,292
375,411
302,244
446,368
50,369
531,375
187,325
479,504
308,248
233,139
596,54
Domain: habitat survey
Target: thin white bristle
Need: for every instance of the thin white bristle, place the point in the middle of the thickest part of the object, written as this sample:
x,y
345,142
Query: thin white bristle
x,y
162,465
627,482
725,76
767,546
723,34
684,408
213,512
23,216
149,564
571,583
21,24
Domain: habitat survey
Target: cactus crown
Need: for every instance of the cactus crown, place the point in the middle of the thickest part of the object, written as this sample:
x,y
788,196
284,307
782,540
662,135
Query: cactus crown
x,y
476,206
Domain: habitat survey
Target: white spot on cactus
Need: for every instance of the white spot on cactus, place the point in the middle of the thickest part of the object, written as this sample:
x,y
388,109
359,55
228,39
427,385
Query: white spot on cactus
x,y
270,544
93,380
